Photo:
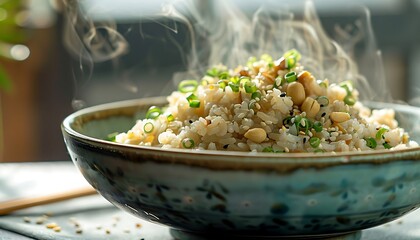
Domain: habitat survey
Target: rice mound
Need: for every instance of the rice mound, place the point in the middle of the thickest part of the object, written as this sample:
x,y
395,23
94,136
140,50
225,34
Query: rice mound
x,y
267,106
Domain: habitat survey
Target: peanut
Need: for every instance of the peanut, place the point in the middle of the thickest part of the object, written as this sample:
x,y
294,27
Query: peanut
x,y
311,107
296,91
339,117
309,83
256,135
280,64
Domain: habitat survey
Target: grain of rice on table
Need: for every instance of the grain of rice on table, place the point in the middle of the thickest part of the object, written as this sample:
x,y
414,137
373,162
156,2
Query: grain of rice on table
x,y
267,106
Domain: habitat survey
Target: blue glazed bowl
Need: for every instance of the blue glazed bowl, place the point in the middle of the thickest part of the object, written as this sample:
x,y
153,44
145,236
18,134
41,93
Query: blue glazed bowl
x,y
213,193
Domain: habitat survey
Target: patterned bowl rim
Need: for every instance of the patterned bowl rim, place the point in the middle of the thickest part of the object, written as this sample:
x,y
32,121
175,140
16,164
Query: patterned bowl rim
x,y
226,159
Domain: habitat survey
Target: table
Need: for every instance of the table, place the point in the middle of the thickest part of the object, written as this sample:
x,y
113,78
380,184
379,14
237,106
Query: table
x,y
93,217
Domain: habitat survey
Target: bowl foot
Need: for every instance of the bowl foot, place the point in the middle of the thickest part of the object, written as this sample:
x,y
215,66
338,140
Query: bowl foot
x,y
185,235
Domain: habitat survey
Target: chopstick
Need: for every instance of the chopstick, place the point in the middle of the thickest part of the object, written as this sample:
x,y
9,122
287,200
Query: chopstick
x,y
18,204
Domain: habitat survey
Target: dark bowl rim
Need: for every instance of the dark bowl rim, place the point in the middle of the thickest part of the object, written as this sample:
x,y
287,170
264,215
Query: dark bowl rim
x,y
377,156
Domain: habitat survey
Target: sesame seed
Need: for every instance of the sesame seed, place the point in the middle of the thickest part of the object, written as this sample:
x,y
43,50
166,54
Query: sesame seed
x,y
57,229
51,225
138,225
283,94
79,231
107,231
226,146
323,114
26,219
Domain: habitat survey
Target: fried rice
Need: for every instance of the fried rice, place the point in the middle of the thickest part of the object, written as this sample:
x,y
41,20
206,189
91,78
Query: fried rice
x,y
267,106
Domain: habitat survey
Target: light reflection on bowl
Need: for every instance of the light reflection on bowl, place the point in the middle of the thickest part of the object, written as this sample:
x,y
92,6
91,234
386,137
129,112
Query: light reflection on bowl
x,y
244,194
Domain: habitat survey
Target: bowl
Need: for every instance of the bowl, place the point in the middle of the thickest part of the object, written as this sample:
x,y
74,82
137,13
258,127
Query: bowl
x,y
244,195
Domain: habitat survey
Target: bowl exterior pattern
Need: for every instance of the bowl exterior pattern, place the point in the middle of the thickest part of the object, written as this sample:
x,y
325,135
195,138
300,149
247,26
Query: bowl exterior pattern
x,y
309,201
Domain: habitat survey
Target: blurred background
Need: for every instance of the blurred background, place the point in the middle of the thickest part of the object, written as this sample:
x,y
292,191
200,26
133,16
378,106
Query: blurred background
x,y
46,71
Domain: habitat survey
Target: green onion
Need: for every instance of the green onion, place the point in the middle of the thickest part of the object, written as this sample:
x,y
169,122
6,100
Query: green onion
x,y
256,95
323,101
297,121
371,142
287,120
222,84
290,77
111,136
323,84
314,142
349,100
386,145
244,79
348,86
170,118
318,126
223,75
306,126
153,112
292,57
188,143
193,101
380,133
148,127
319,150
234,86
250,87
214,72
235,79
268,149
187,86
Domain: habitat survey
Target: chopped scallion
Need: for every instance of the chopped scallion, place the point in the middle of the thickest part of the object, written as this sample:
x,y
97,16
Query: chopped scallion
x,y
170,118
222,84
214,72
235,79
111,136
287,120
323,101
153,112
223,75
371,142
290,77
268,149
187,86
314,142
318,126
386,145
319,150
292,57
305,124
250,87
349,100
188,143
193,101
380,133
234,86
348,86
256,95
148,127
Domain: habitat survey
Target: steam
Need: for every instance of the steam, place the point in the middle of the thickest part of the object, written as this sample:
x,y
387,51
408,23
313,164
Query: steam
x,y
221,34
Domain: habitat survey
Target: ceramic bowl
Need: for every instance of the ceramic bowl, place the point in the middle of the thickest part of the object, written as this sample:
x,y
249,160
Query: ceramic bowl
x,y
244,195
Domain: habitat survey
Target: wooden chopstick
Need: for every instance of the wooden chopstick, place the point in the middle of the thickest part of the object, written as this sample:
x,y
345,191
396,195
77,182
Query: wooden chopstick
x,y
18,204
